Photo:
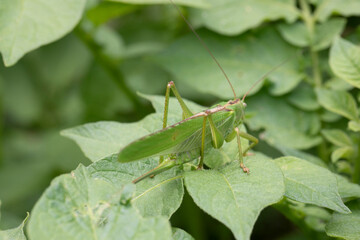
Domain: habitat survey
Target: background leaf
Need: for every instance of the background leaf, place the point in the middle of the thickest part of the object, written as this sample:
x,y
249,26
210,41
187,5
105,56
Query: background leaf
x,y
245,59
308,183
179,234
233,197
239,16
28,24
337,137
345,61
328,7
340,102
345,226
191,3
278,119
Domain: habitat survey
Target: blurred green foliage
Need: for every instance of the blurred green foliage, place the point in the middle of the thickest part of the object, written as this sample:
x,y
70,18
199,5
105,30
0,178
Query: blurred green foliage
x,y
101,57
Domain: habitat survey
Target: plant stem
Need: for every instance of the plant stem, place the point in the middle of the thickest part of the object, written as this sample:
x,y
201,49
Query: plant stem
x,y
110,65
310,24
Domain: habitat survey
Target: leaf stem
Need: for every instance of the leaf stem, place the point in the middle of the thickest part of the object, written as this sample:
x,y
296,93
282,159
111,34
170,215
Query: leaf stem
x,y
109,65
310,24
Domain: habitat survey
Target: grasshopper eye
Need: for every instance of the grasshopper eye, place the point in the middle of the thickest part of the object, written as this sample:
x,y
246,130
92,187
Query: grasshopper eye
x,y
244,104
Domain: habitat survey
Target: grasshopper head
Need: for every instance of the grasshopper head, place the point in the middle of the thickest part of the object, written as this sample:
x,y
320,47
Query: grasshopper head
x,y
238,106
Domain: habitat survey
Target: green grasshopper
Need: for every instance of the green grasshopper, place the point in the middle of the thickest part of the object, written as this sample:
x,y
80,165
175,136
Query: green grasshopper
x,y
190,138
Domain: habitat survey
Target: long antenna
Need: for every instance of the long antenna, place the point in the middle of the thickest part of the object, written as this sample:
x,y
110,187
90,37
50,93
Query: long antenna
x,y
265,76
204,45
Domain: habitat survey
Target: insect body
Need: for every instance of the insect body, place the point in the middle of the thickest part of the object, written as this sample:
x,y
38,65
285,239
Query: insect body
x,y
190,138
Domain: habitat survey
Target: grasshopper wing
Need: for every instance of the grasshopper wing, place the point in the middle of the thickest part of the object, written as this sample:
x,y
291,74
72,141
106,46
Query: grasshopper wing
x,y
181,137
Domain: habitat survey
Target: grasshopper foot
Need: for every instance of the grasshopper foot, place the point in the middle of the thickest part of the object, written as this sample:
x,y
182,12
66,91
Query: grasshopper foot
x,y
200,167
245,169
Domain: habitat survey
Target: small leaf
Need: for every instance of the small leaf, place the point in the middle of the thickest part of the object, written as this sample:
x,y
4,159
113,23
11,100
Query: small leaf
x,y
342,152
235,198
179,234
308,183
345,226
45,21
354,126
328,7
239,16
337,137
340,102
15,233
347,189
298,34
345,61
85,205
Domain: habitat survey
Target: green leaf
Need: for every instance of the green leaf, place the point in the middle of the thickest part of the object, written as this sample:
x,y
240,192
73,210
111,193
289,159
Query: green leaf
x,y
245,59
328,7
304,98
160,195
345,61
303,155
238,16
354,126
102,139
15,233
324,33
278,119
308,183
85,205
342,152
235,198
190,3
179,234
340,102
345,226
347,189
337,137
28,24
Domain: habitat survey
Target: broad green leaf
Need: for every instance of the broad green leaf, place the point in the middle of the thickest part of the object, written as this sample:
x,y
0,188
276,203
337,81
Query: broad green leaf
x,y
160,195
354,126
342,152
245,59
337,137
232,17
304,98
179,234
345,226
27,24
303,155
235,198
328,116
326,8
102,139
298,34
85,205
190,3
347,189
15,233
345,61
308,183
278,119
340,102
